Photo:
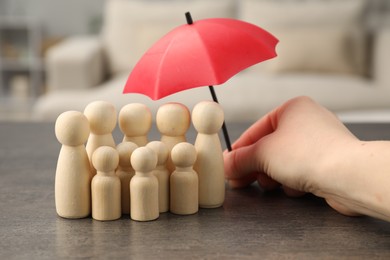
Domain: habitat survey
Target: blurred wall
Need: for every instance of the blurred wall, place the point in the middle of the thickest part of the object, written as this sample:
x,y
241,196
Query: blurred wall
x,y
68,17
58,17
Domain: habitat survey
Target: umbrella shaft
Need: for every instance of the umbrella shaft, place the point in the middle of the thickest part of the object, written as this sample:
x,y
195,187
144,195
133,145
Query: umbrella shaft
x,y
224,128
189,18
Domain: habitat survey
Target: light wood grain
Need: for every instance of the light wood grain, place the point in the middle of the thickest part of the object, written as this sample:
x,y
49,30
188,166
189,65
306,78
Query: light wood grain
x,y
207,117
135,121
73,172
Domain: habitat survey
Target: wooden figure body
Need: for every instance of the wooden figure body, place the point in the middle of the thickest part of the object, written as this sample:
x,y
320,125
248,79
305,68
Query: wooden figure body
x,y
102,121
162,174
135,121
125,172
173,121
207,118
184,180
106,186
144,186
73,173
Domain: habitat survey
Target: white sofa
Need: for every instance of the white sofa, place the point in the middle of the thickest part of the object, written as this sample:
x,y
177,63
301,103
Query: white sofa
x,y
335,51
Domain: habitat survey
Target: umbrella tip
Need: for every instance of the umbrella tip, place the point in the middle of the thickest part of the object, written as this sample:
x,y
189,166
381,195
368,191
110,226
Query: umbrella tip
x,y
189,18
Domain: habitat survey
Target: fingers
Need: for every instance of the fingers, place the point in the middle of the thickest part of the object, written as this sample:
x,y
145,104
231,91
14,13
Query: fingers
x,y
243,182
266,182
240,163
261,128
242,169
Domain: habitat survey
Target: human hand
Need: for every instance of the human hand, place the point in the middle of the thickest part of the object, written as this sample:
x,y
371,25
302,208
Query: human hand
x,y
293,147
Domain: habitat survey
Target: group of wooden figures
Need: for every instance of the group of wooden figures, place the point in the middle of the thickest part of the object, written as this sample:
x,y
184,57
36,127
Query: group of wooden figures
x,y
137,177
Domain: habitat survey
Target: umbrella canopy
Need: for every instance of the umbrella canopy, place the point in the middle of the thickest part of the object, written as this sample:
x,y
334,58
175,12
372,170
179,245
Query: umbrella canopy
x,y
206,52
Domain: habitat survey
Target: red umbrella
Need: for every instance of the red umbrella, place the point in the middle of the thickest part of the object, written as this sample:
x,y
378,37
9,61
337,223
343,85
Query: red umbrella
x,y
202,53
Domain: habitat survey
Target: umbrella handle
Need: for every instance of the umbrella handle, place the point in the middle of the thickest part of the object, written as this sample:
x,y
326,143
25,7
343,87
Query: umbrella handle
x,y
189,18
224,128
214,95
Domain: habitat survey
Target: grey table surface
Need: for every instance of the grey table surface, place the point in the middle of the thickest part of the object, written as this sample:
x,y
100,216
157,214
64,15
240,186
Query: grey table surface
x,y
251,224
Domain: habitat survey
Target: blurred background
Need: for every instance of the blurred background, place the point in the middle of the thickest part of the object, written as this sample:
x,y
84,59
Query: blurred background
x,y
28,28
60,55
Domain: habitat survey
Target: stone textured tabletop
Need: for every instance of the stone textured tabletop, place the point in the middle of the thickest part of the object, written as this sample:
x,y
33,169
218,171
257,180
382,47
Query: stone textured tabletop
x,y
251,224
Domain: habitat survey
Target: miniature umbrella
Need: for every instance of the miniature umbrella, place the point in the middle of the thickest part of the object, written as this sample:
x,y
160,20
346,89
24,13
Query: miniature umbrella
x,y
202,53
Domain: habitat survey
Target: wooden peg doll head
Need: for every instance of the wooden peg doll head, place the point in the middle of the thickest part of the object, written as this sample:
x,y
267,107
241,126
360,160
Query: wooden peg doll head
x,y
72,128
144,159
135,119
105,159
207,117
183,155
125,150
161,150
101,116
173,119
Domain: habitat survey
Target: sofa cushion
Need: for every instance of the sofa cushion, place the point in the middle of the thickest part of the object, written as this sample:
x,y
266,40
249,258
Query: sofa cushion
x,y
315,35
323,49
297,13
245,97
131,27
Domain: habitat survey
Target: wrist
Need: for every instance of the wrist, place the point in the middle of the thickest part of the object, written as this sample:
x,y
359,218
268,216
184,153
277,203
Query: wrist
x,y
357,177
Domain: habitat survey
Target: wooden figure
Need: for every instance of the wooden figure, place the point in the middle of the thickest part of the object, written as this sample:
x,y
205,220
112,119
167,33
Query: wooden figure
x,y
184,180
162,174
144,185
173,121
125,172
102,121
106,186
135,121
207,118
73,173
